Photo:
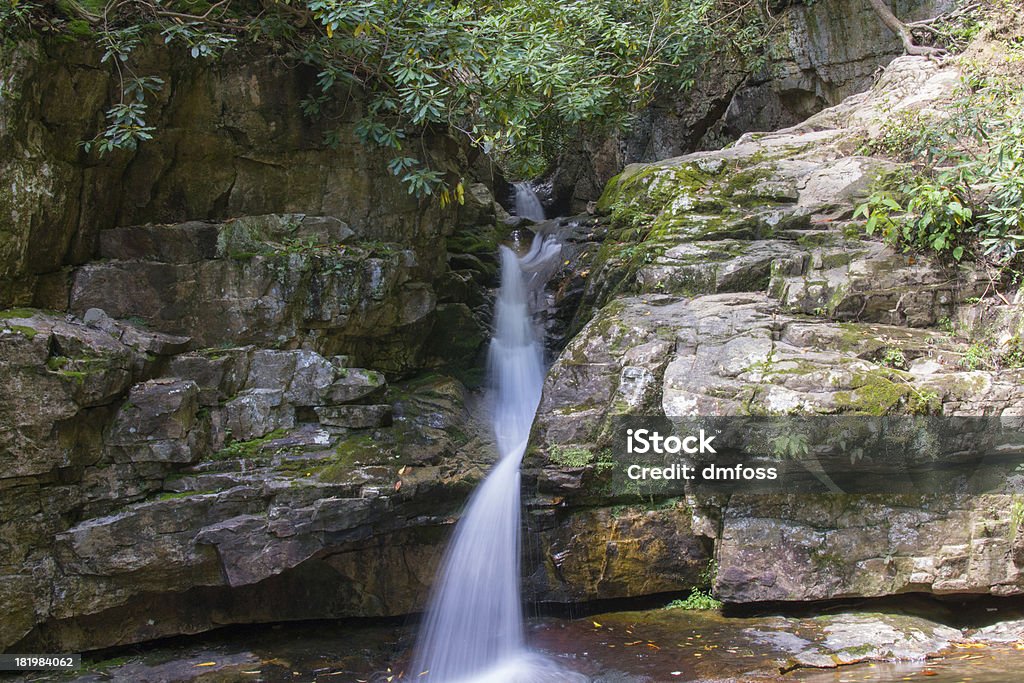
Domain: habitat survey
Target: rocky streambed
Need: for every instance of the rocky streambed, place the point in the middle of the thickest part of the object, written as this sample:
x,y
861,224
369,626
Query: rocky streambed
x,y
655,645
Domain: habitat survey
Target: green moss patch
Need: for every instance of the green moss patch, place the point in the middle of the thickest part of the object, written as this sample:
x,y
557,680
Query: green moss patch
x,y
239,450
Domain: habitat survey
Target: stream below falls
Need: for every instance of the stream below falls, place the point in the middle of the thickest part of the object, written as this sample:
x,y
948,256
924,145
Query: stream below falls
x,y
621,647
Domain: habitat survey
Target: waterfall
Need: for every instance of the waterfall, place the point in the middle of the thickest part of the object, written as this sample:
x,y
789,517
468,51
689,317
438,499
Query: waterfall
x,y
527,203
473,629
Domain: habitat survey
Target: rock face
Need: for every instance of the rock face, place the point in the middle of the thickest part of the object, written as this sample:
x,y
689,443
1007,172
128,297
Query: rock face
x,y
232,142
820,54
736,282
148,495
267,280
868,546
208,414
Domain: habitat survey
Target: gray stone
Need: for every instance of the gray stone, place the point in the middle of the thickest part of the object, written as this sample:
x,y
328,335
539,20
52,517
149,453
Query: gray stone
x,y
1011,631
257,412
184,243
355,417
220,374
95,317
311,380
863,545
354,384
158,423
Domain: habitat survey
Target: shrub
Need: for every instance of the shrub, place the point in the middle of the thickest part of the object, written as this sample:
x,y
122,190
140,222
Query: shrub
x,y
699,600
962,194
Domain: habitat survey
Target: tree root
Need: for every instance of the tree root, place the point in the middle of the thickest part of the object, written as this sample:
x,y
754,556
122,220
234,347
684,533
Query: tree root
x,y
905,33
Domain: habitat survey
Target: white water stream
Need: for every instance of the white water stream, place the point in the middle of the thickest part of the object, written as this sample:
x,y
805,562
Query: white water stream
x,y
528,204
473,629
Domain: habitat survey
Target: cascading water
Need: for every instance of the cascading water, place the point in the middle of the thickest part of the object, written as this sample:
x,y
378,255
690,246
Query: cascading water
x,y
474,626
528,204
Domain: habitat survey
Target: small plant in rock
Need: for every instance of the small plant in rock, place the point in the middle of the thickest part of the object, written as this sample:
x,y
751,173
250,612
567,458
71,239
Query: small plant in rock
x,y
1012,355
1016,516
791,446
699,600
570,456
976,357
924,402
894,358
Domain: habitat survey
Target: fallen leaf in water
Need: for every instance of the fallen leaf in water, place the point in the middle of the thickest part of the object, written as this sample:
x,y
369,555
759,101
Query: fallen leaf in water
x,y
929,672
207,664
635,642
597,625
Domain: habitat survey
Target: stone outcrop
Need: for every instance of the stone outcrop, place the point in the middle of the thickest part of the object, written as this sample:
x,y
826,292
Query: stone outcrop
x,y
819,54
266,280
207,416
139,489
821,547
737,283
231,141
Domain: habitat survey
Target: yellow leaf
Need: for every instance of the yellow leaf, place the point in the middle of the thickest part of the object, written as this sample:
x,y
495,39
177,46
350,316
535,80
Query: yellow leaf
x,y
597,625
207,664
330,31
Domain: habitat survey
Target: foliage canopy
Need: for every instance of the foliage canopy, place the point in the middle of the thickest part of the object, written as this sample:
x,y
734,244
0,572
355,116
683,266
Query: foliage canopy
x,y
517,78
